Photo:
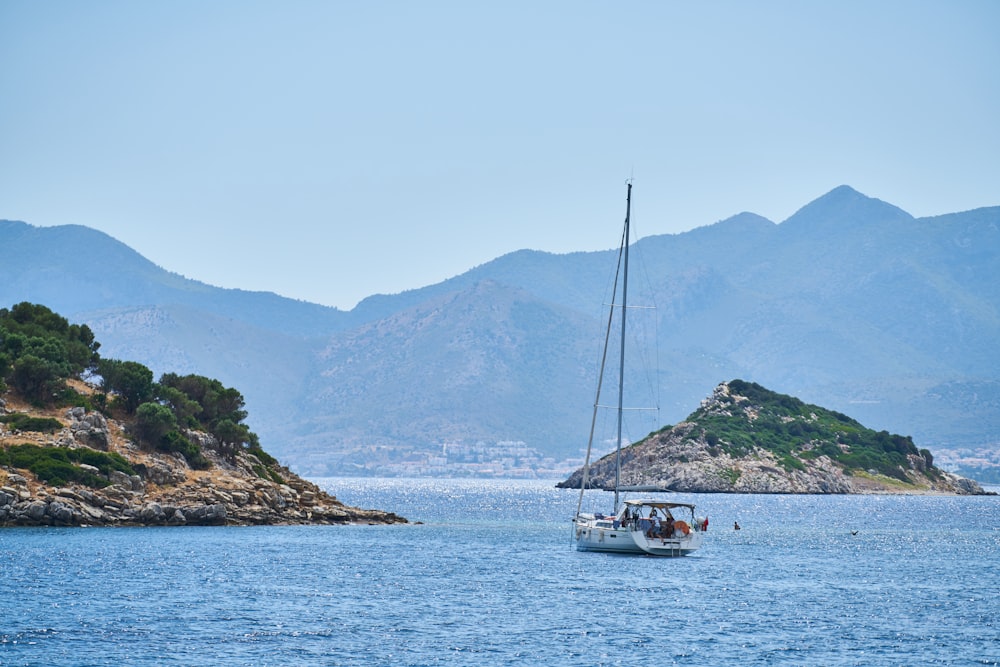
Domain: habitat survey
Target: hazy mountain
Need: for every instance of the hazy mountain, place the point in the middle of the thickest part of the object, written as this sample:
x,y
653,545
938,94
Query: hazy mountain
x,y
850,303
74,269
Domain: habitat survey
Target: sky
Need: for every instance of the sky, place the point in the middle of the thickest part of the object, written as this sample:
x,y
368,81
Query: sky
x,y
332,150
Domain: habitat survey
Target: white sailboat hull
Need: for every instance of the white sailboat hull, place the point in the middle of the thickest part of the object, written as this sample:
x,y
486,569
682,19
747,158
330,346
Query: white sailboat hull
x,y
634,532
591,537
671,546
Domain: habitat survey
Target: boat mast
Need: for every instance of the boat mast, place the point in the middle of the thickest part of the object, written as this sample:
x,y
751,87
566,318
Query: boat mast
x,y
621,358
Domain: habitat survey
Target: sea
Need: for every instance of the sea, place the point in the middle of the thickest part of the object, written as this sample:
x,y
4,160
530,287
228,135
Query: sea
x,y
486,573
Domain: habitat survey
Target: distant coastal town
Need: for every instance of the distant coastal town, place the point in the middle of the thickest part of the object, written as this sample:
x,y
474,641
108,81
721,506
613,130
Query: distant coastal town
x,y
510,459
514,459
979,463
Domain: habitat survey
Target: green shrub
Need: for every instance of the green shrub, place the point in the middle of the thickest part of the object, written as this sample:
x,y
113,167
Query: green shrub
x,y
174,441
19,421
790,462
730,475
266,473
37,379
152,423
130,380
59,473
57,465
263,456
103,461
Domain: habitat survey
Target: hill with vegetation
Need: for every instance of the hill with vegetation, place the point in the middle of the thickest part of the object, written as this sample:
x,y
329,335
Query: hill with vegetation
x,y
91,441
748,439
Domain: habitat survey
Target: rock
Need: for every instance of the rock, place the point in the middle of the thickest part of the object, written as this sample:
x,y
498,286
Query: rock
x,y
206,514
60,512
92,515
151,513
162,474
113,505
35,510
88,428
121,479
69,493
965,486
221,496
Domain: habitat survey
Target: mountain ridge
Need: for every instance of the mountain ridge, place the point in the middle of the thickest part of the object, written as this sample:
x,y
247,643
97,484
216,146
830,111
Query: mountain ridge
x,y
892,314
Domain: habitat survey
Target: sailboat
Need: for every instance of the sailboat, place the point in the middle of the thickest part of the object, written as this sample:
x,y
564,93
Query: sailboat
x,y
652,527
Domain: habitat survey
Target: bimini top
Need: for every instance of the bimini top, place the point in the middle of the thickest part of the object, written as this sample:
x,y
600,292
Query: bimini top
x,y
662,504
644,488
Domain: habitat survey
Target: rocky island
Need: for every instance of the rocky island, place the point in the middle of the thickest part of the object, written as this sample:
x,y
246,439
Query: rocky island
x,y
747,439
122,450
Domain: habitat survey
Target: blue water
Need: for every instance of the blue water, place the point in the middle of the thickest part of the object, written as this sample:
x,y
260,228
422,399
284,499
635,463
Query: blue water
x,y
491,578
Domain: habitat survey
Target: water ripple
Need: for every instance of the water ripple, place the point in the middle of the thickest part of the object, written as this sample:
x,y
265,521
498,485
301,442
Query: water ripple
x,y
491,579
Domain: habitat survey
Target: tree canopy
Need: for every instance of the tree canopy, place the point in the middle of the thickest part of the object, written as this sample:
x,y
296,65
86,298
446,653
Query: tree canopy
x,y
40,350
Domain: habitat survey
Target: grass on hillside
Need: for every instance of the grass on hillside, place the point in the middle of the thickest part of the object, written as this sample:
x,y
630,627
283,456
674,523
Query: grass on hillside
x,y
796,432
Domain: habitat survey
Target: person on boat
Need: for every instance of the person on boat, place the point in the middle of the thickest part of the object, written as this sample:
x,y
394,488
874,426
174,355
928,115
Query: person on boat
x,y
667,529
654,525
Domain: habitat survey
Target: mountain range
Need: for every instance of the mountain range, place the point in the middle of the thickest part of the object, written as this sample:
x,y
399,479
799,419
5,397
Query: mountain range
x,y
850,303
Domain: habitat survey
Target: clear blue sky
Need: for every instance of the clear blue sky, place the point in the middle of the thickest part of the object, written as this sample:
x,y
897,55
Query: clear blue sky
x,y
330,150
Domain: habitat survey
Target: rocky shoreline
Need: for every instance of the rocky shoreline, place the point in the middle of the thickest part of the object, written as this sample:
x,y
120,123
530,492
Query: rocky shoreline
x,y
165,491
